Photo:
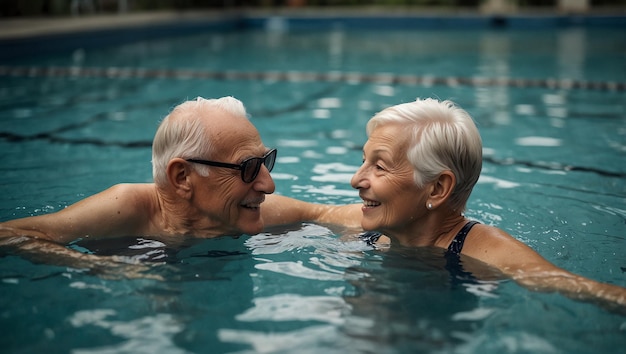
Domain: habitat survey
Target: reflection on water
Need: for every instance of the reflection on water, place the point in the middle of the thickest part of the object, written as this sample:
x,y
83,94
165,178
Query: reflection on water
x,y
300,288
150,334
400,299
414,298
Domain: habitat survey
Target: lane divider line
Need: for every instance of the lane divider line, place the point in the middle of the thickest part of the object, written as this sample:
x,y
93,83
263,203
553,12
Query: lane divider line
x,y
303,76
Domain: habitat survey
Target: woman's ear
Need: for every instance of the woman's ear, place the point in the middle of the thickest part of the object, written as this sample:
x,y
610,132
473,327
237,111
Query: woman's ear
x,y
178,174
441,189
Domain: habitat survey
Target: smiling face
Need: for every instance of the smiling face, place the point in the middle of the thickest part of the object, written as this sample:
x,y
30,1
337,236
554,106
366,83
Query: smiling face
x,y
231,205
392,202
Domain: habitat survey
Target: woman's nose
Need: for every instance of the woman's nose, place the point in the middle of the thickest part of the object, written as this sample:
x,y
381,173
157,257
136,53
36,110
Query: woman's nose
x,y
358,180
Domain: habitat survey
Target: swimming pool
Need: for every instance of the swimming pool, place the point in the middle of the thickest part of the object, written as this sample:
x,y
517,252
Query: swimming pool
x,y
550,105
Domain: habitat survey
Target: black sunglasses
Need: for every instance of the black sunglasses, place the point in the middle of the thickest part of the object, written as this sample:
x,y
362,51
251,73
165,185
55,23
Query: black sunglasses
x,y
249,167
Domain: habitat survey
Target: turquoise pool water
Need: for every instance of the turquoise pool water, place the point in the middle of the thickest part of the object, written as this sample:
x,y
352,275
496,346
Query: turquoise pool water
x,y
551,107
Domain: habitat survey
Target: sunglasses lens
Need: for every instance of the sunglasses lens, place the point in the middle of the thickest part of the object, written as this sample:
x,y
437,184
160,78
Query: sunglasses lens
x,y
251,169
270,159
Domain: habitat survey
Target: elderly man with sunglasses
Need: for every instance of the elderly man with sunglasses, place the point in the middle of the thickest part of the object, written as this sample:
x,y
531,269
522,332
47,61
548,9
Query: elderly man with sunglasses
x,y
211,174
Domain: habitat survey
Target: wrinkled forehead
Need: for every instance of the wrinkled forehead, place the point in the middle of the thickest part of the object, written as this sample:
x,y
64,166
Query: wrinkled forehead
x,y
394,135
234,136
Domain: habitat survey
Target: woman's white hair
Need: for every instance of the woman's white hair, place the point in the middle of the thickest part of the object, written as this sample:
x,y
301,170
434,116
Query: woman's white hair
x,y
442,137
183,133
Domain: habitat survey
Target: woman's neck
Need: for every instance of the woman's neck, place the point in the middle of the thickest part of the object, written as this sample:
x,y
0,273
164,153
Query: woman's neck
x,y
436,229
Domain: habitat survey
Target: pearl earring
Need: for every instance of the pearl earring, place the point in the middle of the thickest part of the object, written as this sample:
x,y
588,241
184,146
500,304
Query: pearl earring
x,y
430,206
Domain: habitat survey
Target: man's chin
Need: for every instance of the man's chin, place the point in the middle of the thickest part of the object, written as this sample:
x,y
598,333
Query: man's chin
x,y
252,228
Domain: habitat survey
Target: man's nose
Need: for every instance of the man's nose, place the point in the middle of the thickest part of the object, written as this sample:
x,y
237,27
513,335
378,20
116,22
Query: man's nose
x,y
264,181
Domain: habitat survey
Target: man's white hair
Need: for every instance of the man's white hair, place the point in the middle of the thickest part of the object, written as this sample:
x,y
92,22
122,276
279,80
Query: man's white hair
x,y
183,133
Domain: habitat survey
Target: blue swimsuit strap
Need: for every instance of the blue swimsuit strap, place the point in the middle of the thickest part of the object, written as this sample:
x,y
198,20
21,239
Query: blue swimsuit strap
x,y
457,244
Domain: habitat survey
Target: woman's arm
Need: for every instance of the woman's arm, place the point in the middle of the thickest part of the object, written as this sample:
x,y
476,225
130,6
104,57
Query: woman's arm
x,y
531,270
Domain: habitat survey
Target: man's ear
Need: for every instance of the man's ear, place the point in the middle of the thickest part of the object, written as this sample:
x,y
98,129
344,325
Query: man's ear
x,y
179,175
442,188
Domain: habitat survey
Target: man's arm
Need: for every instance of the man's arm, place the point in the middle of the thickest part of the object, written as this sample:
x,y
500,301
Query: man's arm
x,y
280,210
116,211
48,252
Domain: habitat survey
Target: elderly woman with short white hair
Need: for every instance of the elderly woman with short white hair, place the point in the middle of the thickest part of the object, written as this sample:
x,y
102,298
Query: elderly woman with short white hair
x,y
420,164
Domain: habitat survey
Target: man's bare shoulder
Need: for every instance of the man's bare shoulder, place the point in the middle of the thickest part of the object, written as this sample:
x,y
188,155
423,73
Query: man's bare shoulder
x,y
137,194
136,199
124,208
134,188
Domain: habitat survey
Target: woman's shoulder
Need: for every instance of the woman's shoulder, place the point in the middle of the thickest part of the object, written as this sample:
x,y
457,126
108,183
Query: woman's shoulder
x,y
490,231
495,246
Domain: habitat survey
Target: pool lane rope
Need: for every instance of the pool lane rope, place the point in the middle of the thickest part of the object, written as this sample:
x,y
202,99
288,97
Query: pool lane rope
x,y
290,76
303,76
